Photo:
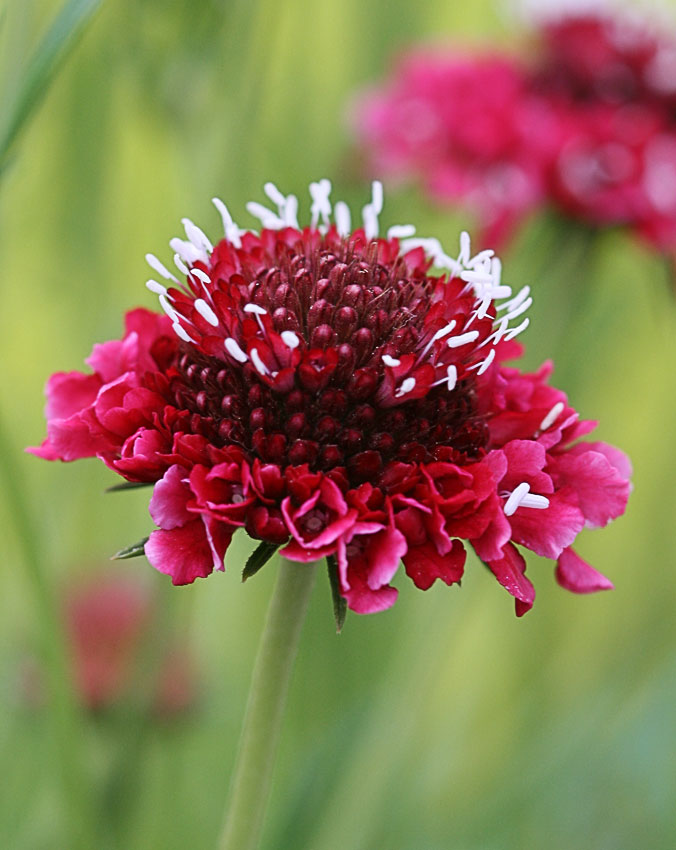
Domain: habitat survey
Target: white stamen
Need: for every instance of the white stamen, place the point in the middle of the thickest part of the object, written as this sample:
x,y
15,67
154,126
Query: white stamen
x,y
517,311
552,416
290,339
157,288
232,232
159,267
465,248
205,310
203,276
532,500
451,378
291,212
372,210
258,363
255,308
182,332
515,498
321,205
401,231
233,349
197,236
268,219
187,251
462,339
168,309
407,386
487,362
180,265
516,331
440,334
390,361
343,218
497,334
432,247
518,299
275,196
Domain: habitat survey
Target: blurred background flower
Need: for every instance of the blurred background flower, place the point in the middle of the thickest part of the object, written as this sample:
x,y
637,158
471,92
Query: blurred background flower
x,y
437,724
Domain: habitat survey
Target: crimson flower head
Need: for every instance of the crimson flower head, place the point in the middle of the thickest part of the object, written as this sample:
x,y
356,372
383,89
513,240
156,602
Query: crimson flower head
x,y
342,395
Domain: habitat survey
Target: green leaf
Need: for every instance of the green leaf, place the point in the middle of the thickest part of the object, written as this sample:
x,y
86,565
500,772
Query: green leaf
x,y
41,68
132,551
258,558
339,602
127,485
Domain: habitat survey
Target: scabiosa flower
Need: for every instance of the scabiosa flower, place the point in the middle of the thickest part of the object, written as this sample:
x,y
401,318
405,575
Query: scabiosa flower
x,y
342,395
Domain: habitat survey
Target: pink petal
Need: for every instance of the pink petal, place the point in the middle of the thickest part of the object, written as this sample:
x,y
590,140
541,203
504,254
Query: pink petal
x,y
69,393
183,553
424,565
548,531
602,489
168,502
510,572
578,576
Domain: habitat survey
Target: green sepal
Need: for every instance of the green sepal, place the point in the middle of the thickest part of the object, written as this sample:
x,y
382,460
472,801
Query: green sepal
x,y
339,602
132,551
258,558
128,485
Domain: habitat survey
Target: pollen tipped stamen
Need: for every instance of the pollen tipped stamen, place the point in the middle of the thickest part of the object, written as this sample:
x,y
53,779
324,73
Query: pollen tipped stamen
x,y
552,416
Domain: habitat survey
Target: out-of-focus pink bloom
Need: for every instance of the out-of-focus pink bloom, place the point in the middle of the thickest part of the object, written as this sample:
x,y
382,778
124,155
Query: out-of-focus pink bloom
x,y
328,391
469,127
586,123
108,620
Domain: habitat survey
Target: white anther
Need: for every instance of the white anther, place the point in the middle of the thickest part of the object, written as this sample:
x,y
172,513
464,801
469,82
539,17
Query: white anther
x,y
440,334
517,311
516,331
255,308
187,251
268,219
182,332
372,210
321,205
232,233
519,298
233,349
483,259
377,196
497,334
407,386
401,231
486,362
157,288
462,339
390,361
258,363
515,498
432,247
451,378
552,416
180,265
159,267
477,278
205,310
532,500
290,339
168,309
197,236
343,218
496,269
203,276
465,248
275,196
291,212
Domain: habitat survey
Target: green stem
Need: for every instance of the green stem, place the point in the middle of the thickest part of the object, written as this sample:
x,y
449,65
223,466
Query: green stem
x,y
64,716
250,786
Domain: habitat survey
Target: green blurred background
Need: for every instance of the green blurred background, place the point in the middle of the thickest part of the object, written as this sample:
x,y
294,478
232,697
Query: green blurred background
x,y
444,723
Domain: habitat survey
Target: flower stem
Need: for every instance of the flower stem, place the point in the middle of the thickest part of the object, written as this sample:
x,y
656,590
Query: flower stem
x,y
251,781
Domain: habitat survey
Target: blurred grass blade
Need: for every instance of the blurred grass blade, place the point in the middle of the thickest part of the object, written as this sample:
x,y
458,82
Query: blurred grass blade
x,y
133,551
41,68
